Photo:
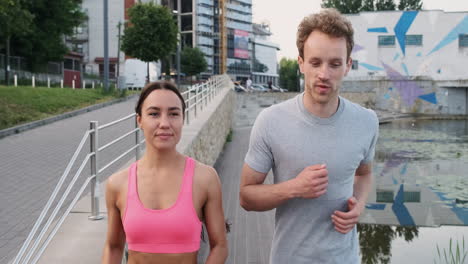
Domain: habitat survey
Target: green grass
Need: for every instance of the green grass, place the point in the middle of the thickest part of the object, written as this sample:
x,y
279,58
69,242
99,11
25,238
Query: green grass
x,y
453,255
22,104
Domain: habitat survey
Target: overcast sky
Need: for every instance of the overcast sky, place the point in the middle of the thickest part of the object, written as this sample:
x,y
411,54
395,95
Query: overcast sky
x,y
285,16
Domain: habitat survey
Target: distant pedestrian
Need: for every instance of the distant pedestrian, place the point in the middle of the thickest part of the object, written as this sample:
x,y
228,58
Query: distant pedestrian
x,y
157,204
320,148
248,84
270,85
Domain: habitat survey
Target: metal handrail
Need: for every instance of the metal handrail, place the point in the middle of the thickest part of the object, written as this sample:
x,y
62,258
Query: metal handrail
x,y
51,199
206,91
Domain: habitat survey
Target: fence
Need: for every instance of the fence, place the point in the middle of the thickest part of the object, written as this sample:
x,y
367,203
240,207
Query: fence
x,y
196,98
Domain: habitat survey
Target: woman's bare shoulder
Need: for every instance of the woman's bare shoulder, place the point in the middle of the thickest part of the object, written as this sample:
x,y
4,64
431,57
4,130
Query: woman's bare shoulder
x,y
118,180
206,174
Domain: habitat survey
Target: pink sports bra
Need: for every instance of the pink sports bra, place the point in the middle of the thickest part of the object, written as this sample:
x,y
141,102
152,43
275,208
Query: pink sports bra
x,y
176,229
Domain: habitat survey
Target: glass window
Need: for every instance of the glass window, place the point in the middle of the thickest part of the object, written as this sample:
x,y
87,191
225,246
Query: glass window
x,y
463,40
68,64
384,196
386,41
414,40
412,197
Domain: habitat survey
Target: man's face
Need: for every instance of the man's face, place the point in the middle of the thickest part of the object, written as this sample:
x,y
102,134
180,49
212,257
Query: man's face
x,y
324,66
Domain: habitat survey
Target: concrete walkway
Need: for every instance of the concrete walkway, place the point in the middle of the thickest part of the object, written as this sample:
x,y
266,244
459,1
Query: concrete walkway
x,y
31,164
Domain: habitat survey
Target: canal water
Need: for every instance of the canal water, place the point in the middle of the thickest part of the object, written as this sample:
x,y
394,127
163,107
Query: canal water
x,y
419,200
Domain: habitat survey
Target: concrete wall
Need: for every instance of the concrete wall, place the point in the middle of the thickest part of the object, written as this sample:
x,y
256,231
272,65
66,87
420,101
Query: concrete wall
x,y
207,135
418,95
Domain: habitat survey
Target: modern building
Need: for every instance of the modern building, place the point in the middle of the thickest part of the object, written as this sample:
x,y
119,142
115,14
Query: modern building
x,y
264,60
88,39
416,60
221,29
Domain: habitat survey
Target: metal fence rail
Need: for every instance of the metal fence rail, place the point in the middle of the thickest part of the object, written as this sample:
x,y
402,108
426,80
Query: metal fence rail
x,y
34,246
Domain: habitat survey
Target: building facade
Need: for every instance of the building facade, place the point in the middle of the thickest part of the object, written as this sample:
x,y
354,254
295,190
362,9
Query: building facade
x,y
415,60
203,24
264,61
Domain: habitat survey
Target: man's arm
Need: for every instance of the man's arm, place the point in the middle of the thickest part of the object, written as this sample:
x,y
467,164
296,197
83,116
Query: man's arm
x,y
256,196
345,221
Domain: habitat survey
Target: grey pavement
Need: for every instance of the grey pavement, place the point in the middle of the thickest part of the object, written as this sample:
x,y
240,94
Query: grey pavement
x,y
32,162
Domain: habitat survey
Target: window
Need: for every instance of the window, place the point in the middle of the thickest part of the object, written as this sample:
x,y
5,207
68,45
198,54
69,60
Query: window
x,y
355,65
68,64
78,48
413,40
111,70
384,196
463,40
386,41
412,197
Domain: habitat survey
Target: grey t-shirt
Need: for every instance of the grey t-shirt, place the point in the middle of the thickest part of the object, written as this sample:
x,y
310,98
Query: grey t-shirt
x,y
287,138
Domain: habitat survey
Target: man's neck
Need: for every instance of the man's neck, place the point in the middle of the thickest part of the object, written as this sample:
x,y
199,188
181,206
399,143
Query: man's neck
x,y
322,110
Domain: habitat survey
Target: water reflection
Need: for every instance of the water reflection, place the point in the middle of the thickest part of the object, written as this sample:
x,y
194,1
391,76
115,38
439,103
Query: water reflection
x,y
421,174
421,180
376,241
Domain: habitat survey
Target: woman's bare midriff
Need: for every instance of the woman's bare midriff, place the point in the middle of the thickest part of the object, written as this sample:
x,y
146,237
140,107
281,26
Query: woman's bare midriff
x,y
135,257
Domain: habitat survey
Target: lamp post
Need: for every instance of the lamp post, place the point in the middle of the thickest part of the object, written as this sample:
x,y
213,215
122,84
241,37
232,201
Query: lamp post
x,y
106,47
179,38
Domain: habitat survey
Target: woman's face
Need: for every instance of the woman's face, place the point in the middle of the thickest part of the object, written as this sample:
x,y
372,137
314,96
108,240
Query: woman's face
x,y
161,119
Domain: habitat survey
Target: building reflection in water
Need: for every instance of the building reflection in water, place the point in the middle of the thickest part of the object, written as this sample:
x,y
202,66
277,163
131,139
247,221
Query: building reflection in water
x,y
420,181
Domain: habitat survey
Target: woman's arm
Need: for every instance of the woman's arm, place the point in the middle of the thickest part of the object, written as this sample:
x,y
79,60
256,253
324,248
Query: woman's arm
x,y
214,219
115,240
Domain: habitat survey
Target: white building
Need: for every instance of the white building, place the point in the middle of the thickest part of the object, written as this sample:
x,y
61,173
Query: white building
x,y
264,53
413,43
414,61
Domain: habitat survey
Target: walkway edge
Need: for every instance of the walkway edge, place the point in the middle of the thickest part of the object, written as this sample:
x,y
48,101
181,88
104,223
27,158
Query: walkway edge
x,y
24,127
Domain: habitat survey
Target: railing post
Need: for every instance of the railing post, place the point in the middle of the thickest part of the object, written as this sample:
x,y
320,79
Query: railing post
x,y
207,95
196,102
93,126
137,139
188,106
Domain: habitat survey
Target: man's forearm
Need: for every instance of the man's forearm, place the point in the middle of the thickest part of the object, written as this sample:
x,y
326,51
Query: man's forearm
x,y
362,187
264,197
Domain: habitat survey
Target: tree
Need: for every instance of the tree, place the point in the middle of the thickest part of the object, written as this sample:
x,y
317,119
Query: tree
x,y
368,5
192,61
14,21
344,6
151,33
385,5
410,5
289,74
355,6
53,19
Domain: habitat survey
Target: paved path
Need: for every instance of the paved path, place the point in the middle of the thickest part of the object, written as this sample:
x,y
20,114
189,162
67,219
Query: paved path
x,y
32,162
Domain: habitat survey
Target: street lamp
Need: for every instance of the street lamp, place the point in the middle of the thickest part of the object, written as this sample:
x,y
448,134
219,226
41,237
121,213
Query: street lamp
x,y
179,38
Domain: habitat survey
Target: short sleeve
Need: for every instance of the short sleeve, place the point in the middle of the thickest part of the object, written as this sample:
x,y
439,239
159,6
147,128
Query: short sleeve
x,y
259,156
371,150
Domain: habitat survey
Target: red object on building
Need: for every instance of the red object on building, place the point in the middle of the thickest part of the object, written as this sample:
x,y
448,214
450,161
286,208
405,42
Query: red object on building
x,y
112,66
72,69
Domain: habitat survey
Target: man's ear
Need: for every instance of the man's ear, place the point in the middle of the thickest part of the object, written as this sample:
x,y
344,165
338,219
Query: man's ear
x,y
300,61
349,64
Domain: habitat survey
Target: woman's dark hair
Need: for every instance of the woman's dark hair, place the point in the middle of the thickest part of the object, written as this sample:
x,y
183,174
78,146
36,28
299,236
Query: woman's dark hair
x,y
161,85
